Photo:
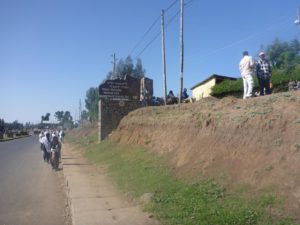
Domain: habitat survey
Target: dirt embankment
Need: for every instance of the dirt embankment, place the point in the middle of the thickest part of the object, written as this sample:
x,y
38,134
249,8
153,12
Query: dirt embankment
x,y
254,142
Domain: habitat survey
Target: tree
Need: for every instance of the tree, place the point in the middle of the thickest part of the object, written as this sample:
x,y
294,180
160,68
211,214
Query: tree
x,y
64,118
67,120
2,127
120,72
295,46
109,75
59,115
67,116
139,72
84,115
46,117
284,55
16,125
28,125
127,68
91,103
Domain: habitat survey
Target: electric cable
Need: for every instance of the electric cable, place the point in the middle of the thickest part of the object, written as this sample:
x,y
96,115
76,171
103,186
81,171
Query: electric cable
x,y
151,27
157,35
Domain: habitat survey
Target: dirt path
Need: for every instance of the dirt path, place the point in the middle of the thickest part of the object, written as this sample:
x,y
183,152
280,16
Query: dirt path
x,y
92,197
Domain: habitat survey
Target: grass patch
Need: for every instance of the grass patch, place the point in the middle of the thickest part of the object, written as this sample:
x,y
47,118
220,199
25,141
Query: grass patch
x,y
297,147
176,202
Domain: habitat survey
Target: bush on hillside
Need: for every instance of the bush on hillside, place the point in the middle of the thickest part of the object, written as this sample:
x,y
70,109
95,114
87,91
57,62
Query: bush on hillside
x,y
280,80
230,87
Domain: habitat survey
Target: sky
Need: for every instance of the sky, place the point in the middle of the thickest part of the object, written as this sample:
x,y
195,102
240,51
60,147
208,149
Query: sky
x,y
53,51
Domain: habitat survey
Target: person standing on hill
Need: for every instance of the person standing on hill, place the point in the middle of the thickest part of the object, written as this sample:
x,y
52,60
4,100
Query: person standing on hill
x,y
263,73
246,68
171,99
184,95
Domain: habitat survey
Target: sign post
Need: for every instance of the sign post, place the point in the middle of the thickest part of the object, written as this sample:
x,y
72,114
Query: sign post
x,y
119,89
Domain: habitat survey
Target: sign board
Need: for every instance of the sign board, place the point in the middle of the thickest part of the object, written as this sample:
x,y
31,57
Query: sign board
x,y
121,89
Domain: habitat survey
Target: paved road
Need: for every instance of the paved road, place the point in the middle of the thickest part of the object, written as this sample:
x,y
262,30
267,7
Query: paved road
x,y
30,192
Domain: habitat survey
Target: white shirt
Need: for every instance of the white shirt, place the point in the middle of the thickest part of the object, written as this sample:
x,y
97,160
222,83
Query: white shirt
x,y
246,66
40,138
47,144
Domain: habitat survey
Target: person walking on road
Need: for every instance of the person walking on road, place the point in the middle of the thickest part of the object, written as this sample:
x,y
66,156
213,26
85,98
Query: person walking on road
x,y
41,135
61,135
246,68
55,152
46,147
263,73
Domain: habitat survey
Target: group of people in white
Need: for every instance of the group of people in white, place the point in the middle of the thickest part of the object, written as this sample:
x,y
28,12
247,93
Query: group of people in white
x,y
262,68
51,143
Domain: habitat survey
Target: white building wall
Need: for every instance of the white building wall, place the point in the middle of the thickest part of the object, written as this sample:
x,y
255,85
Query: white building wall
x,y
204,90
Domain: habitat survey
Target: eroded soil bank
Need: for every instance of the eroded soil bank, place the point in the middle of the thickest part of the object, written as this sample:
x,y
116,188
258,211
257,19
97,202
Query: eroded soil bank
x,y
253,143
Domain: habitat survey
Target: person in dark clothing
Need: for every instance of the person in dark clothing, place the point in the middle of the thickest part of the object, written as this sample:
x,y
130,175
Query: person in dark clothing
x,y
55,152
184,95
171,99
264,73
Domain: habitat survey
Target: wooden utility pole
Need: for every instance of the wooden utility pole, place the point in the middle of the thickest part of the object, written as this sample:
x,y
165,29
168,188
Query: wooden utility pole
x,y
181,49
114,63
80,111
164,55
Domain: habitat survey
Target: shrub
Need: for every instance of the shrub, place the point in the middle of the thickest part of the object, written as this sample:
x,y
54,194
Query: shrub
x,y
231,87
279,80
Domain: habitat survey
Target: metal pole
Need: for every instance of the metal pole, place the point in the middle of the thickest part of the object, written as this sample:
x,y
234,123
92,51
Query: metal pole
x,y
164,55
181,49
114,64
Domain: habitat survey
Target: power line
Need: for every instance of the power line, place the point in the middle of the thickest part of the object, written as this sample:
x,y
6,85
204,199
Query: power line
x,y
188,3
254,35
170,6
145,34
151,27
149,43
172,18
157,35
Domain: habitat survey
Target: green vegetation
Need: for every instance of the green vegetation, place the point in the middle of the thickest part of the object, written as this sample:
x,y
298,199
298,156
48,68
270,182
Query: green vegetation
x,y
91,103
63,117
177,202
45,118
281,78
2,128
279,82
286,66
297,147
231,87
127,67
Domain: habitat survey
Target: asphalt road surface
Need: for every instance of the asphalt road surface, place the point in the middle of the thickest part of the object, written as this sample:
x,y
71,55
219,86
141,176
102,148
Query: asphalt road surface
x,y
30,191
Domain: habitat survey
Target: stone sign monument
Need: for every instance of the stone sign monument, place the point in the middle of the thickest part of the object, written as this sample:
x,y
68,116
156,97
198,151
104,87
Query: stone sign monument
x,y
119,89
117,98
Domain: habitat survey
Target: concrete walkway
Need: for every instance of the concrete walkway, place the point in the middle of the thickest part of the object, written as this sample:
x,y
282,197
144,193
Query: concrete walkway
x,y
92,198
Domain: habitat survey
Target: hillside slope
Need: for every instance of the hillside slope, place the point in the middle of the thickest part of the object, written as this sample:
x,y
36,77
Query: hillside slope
x,y
253,143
